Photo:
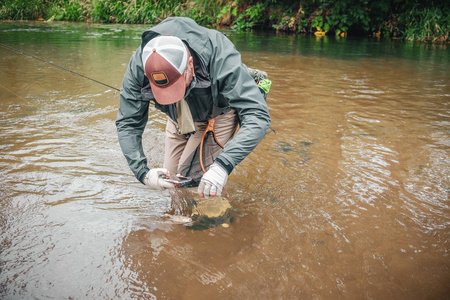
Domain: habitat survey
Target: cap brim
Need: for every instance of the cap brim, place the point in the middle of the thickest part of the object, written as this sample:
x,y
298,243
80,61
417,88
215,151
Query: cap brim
x,y
171,94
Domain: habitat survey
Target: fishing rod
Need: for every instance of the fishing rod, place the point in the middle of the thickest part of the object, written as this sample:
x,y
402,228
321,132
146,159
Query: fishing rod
x,y
53,64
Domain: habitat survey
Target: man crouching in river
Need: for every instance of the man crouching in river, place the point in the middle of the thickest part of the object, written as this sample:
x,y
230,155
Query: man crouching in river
x,y
195,75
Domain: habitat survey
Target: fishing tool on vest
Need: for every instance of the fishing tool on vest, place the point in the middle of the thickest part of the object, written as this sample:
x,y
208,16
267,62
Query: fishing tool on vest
x,y
209,129
261,80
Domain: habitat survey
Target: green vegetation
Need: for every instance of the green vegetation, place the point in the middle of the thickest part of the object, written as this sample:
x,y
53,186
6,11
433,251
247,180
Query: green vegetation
x,y
416,20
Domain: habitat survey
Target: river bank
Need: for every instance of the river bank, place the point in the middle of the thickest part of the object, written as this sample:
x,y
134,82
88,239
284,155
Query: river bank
x,y
416,20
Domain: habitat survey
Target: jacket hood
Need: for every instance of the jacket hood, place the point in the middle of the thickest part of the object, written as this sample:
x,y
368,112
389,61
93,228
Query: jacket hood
x,y
195,36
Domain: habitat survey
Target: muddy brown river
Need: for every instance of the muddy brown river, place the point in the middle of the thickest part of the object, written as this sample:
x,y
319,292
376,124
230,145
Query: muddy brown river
x,y
348,198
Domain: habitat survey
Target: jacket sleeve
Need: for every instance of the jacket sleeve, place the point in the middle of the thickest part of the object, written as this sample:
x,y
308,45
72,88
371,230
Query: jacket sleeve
x,y
132,117
237,88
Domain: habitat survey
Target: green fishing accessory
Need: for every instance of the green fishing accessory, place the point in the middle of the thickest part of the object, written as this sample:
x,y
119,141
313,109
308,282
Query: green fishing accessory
x,y
265,85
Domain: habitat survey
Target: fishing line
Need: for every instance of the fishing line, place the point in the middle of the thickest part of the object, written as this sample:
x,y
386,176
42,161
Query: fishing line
x,y
53,64
18,96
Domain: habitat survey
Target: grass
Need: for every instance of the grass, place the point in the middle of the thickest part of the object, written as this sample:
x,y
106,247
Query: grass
x,y
414,20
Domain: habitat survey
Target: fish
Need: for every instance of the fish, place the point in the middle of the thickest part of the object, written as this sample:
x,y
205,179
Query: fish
x,y
198,213
178,219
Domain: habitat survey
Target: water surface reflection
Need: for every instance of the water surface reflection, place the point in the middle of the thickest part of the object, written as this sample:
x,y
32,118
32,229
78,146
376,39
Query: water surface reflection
x,y
348,199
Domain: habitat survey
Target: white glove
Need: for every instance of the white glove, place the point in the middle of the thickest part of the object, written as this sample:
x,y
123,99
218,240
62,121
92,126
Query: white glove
x,y
213,181
154,179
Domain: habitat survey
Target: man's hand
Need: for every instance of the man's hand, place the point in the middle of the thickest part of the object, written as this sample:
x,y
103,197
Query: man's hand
x,y
154,179
213,181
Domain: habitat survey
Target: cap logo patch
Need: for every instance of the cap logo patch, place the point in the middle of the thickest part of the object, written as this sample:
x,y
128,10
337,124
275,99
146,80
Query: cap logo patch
x,y
160,78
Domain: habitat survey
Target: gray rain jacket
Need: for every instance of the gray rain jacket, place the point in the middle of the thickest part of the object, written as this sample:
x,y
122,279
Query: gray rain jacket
x,y
223,82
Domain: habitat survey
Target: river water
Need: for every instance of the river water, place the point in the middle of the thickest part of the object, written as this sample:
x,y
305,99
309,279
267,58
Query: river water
x,y
347,199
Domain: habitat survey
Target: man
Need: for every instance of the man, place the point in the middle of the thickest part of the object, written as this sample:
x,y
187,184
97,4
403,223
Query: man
x,y
194,75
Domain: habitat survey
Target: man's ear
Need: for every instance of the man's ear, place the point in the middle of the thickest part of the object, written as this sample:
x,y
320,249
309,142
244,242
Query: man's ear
x,y
191,62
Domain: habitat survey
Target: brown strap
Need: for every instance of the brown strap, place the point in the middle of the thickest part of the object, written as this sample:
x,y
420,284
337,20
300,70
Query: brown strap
x,y
209,127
